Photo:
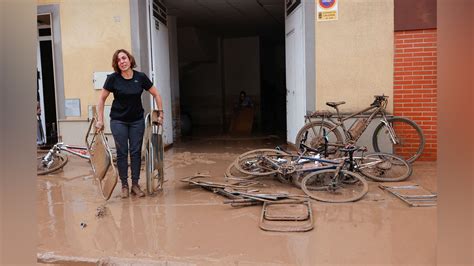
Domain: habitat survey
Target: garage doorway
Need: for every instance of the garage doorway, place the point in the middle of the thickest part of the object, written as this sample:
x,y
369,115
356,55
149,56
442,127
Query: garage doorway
x,y
46,89
224,48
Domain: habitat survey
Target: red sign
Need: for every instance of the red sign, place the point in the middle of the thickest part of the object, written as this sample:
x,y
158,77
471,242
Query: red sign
x,y
326,3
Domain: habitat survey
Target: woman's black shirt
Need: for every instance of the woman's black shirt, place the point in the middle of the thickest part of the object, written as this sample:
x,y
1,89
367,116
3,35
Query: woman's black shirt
x,y
127,104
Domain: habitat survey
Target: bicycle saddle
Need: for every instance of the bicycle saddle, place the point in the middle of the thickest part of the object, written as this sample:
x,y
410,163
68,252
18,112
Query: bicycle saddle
x,y
334,104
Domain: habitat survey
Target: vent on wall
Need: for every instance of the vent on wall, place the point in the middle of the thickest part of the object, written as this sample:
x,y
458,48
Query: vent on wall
x,y
291,5
159,12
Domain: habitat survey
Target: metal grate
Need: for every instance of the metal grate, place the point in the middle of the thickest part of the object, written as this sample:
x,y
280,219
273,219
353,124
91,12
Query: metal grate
x,y
159,11
291,5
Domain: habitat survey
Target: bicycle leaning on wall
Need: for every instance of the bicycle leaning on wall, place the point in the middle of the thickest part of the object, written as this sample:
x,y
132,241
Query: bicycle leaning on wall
x,y
397,135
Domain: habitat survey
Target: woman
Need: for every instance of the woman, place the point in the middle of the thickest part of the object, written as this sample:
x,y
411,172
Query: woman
x,y
126,116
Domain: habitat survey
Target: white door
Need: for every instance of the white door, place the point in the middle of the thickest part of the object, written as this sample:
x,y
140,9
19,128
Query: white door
x,y
160,69
39,83
295,73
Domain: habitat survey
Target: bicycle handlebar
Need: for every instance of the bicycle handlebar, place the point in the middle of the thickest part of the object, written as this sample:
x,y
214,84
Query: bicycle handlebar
x,y
379,99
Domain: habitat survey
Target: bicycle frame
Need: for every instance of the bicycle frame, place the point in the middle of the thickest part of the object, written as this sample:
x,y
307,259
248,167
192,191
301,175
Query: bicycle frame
x,y
300,159
338,164
76,150
58,147
373,110
340,161
349,162
82,152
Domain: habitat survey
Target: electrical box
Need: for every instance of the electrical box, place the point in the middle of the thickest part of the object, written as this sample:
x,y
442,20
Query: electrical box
x,y
99,79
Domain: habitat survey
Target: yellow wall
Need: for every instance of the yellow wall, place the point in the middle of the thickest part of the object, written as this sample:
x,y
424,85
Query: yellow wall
x,y
354,54
91,30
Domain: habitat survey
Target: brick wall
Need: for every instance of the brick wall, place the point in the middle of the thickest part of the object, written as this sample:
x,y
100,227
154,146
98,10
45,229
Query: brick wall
x,y
415,83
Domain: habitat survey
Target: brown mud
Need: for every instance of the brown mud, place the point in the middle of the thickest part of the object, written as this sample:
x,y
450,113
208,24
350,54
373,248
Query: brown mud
x,y
191,226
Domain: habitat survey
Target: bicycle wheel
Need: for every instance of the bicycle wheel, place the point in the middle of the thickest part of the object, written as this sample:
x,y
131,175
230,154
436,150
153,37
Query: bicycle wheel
x,y
296,179
316,132
384,167
233,172
298,176
260,162
317,185
411,140
58,161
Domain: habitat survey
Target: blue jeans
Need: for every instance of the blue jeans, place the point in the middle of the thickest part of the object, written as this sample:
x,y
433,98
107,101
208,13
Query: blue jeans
x,y
128,136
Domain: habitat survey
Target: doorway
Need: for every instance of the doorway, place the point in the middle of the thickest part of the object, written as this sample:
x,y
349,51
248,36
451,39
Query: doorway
x,y
46,89
225,48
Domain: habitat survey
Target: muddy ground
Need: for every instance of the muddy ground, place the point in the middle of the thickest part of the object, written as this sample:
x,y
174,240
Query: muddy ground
x,y
191,226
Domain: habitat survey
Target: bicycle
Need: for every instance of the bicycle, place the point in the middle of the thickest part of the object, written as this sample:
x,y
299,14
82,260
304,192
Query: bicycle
x,y
337,176
55,160
97,152
378,166
343,186
406,136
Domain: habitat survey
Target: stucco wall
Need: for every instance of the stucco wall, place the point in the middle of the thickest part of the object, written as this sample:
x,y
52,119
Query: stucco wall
x,y
90,32
354,54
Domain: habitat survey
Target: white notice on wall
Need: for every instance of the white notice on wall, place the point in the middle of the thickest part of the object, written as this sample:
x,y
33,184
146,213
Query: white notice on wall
x,y
72,107
99,79
326,10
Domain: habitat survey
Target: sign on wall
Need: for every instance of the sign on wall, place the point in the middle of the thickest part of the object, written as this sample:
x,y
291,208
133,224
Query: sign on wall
x,y
326,10
98,78
72,107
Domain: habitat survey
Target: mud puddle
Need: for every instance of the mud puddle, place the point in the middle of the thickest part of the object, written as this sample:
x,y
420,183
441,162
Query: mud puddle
x,y
185,225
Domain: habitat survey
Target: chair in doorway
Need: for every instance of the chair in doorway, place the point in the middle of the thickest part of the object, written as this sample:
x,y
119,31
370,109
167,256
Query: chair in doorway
x,y
242,121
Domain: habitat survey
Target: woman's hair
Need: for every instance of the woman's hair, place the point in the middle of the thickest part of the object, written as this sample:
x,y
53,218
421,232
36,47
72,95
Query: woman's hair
x,y
115,60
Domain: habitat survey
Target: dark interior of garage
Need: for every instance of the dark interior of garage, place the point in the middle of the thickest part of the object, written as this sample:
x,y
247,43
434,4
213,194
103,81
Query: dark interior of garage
x,y
224,48
46,78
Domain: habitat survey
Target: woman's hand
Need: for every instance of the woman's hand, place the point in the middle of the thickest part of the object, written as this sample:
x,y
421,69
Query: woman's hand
x,y
153,91
99,126
161,118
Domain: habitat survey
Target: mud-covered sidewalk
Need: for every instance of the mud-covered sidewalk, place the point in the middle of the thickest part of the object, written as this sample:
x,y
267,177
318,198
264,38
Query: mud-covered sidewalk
x,y
191,226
